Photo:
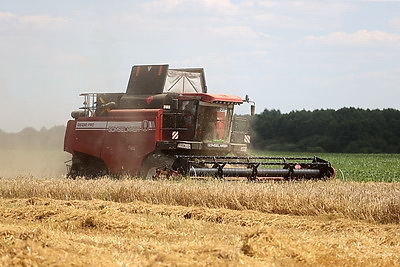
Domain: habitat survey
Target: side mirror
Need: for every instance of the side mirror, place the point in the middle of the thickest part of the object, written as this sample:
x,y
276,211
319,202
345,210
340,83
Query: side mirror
x,y
253,105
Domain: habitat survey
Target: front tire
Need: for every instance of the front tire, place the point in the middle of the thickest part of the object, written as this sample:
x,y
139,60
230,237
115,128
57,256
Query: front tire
x,y
88,167
153,163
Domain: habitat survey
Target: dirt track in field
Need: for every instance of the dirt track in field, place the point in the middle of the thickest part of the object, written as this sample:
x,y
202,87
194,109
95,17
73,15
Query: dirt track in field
x,y
42,231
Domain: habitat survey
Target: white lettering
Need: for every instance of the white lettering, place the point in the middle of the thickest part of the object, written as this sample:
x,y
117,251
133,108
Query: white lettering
x,y
130,126
217,145
184,146
117,126
91,125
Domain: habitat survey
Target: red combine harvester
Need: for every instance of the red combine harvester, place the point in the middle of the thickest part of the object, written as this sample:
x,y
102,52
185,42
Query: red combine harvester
x,y
166,123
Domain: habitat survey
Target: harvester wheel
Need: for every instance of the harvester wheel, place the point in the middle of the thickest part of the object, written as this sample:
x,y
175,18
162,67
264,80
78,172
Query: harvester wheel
x,y
155,163
88,169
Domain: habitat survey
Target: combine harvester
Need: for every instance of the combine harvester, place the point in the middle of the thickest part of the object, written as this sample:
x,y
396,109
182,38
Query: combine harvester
x,y
166,123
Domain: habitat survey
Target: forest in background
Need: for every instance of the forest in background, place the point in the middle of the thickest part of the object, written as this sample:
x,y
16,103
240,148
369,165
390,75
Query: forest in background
x,y
30,138
347,130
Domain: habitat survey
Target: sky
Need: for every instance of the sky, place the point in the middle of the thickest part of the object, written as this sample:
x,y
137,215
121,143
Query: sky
x,y
286,55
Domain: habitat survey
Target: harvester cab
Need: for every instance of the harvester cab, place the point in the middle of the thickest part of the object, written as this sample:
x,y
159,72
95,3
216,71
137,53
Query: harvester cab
x,y
167,123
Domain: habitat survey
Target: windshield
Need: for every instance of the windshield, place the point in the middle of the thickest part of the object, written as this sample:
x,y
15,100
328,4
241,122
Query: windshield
x,y
214,122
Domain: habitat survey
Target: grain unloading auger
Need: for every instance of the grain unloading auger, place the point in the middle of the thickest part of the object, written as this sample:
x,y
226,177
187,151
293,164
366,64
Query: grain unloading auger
x,y
254,168
166,122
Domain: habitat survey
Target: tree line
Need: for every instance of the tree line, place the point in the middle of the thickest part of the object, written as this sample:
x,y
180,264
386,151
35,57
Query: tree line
x,y
347,130
30,138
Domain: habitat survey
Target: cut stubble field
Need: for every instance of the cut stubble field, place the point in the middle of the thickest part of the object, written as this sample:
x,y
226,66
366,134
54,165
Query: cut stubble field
x,y
132,222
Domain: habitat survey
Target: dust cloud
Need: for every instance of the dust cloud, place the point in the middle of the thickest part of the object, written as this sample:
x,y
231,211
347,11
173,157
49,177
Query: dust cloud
x,y
37,163
33,153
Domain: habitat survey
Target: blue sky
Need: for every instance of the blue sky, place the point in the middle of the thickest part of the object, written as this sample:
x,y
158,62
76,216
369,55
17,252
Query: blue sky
x,y
287,55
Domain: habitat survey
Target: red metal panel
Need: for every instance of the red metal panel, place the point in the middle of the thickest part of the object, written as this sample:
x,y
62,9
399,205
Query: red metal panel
x,y
159,125
69,136
121,140
130,136
137,113
89,135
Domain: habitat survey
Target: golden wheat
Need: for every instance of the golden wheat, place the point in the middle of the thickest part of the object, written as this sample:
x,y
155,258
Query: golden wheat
x,y
48,232
373,202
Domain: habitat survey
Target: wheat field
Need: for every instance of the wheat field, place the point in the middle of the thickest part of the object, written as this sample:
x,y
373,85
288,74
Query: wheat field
x,y
131,222
372,202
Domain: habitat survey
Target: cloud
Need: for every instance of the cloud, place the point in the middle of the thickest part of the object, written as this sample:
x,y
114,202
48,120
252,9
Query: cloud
x,y
7,16
280,21
294,15
238,32
224,7
395,22
37,20
70,59
324,8
244,40
162,5
375,0
361,38
380,77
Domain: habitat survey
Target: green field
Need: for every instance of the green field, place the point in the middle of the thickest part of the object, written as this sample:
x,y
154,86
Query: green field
x,y
367,167
350,167
356,167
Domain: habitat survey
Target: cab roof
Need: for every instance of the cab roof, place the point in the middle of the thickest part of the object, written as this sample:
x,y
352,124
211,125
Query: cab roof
x,y
213,98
